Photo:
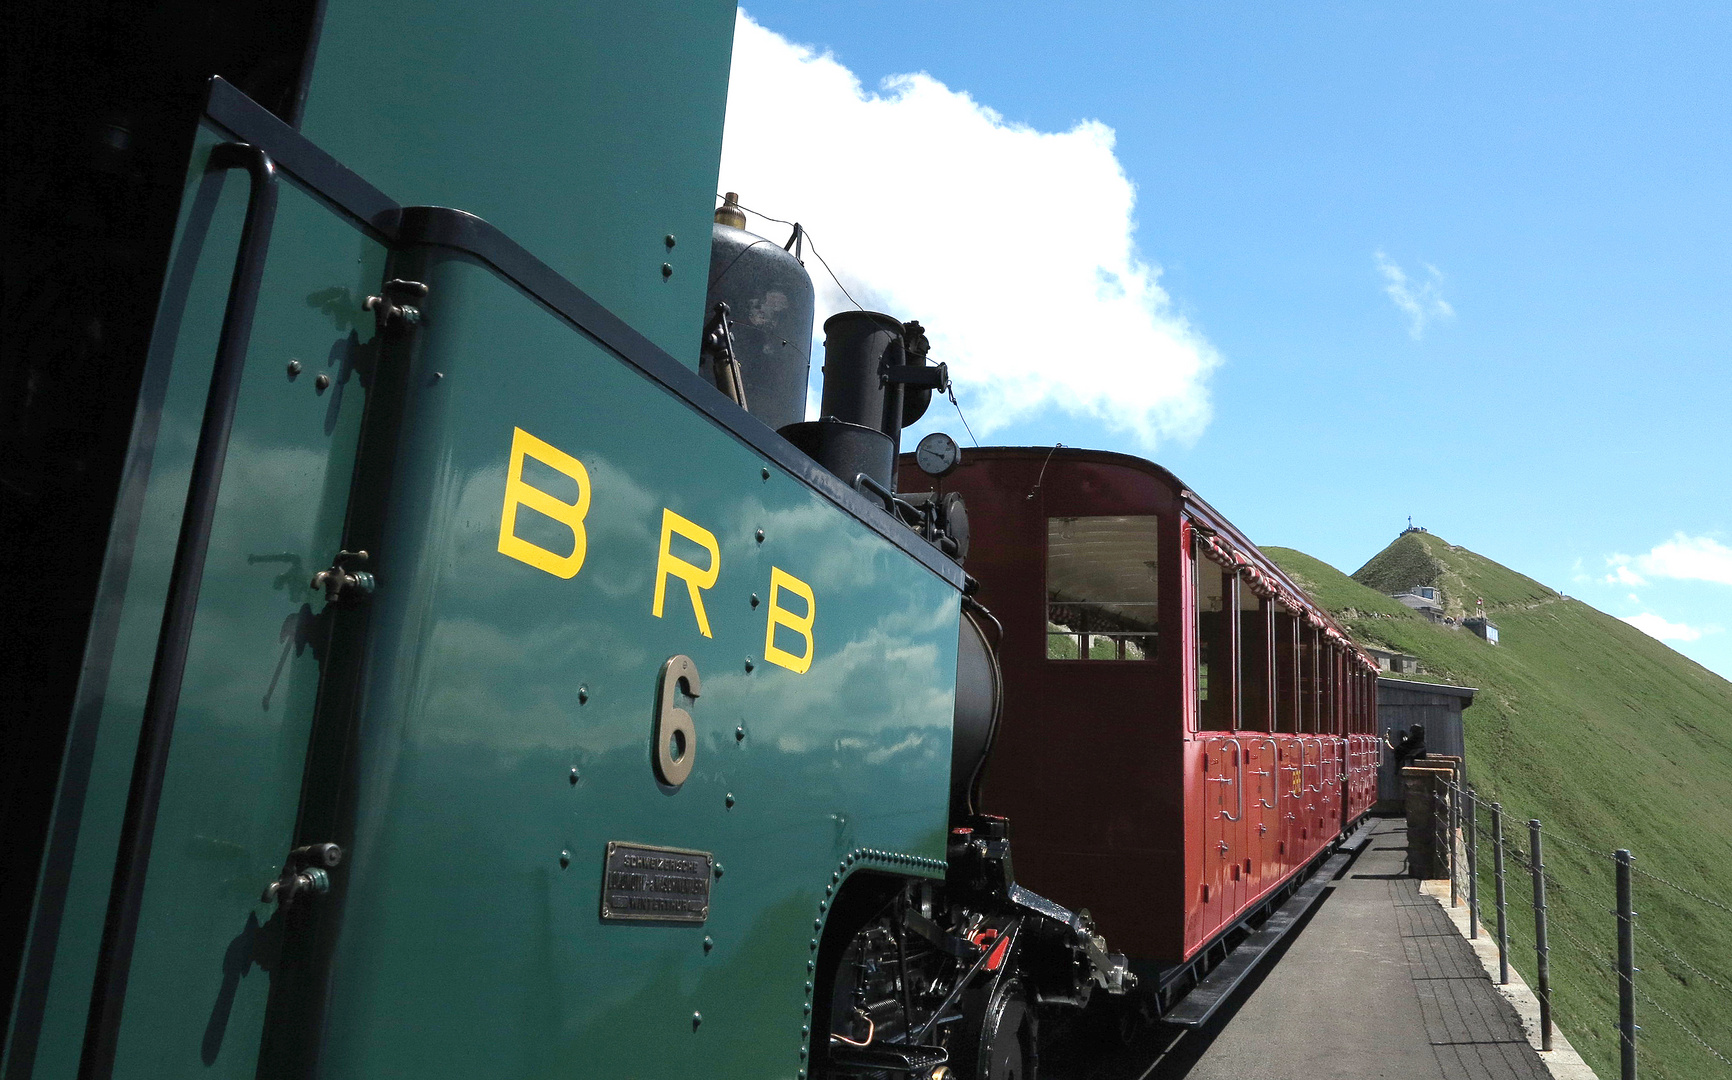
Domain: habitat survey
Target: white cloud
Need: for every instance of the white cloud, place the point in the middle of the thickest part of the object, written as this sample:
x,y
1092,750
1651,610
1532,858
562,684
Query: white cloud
x,y
1691,558
1621,573
1682,558
1014,247
1420,301
1655,626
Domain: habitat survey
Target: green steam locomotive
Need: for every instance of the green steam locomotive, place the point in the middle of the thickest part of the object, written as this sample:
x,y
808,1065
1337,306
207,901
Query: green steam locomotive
x,y
437,663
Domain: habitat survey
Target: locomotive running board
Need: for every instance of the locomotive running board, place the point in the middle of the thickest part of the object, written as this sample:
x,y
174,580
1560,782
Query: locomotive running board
x,y
1196,1007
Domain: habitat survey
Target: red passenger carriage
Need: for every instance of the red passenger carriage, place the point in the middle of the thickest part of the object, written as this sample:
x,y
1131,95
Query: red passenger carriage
x,y
1184,730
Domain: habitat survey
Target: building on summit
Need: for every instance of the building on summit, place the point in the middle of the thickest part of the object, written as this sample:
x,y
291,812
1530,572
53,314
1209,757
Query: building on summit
x,y
1423,599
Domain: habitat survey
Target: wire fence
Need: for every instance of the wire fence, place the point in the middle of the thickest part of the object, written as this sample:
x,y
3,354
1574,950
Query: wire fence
x,y
1501,871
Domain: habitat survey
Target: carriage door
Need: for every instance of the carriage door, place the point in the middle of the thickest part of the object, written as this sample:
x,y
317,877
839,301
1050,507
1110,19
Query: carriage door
x,y
245,446
1258,698
1264,795
1223,762
1228,773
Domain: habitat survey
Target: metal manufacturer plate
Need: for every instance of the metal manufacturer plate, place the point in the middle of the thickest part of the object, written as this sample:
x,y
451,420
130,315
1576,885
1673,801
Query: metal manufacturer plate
x,y
655,884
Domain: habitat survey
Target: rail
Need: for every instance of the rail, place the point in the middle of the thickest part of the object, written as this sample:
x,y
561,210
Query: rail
x,y
150,764
1669,992
1318,765
1274,775
1238,784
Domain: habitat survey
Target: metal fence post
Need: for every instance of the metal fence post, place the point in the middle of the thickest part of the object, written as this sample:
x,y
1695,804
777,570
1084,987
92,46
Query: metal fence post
x,y
1472,865
1542,964
1626,971
1497,873
1454,828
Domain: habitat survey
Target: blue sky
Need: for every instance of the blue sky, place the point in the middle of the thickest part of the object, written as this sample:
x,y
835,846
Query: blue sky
x,y
1471,263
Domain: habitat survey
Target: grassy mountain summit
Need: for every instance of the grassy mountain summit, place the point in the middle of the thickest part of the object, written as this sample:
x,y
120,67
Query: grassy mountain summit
x,y
1612,740
1460,576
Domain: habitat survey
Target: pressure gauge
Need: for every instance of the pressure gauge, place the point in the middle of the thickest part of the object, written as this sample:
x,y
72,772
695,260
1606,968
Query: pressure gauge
x,y
937,454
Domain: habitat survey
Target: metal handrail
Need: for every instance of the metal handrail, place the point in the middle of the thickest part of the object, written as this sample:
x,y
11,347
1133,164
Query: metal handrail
x,y
162,699
1318,765
1239,784
1274,775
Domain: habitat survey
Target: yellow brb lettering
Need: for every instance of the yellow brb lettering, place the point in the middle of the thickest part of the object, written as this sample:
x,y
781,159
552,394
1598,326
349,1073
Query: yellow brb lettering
x,y
518,492
668,563
781,616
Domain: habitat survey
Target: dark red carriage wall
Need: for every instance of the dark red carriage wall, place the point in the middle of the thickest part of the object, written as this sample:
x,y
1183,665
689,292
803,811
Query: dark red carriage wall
x,y
1164,834
1097,819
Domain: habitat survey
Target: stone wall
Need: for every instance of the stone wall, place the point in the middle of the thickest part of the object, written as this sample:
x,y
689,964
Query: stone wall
x,y
1427,805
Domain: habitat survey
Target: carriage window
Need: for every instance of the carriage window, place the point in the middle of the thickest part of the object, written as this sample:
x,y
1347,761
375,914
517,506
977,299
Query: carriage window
x,y
1102,600
1253,660
1214,647
1286,671
1326,671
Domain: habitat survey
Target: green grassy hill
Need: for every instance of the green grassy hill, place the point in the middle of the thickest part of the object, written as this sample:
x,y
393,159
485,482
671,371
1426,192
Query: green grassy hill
x,y
1612,740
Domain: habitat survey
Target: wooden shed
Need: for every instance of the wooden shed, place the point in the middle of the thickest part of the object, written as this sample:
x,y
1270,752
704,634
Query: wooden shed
x,y
1436,707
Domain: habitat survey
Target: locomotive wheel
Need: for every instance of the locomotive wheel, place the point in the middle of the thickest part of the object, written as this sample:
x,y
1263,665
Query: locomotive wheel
x,y
998,1037
1133,1016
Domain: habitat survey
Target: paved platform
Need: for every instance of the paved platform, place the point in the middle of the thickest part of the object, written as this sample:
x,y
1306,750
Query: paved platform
x,y
1378,984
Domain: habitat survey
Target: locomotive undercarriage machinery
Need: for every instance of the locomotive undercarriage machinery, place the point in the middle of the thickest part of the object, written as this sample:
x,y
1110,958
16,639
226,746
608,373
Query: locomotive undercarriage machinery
x,y
923,976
